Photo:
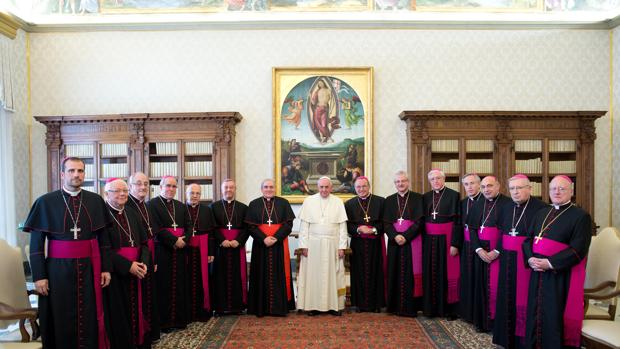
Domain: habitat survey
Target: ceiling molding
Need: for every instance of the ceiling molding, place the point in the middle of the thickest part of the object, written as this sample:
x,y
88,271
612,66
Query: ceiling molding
x,y
9,25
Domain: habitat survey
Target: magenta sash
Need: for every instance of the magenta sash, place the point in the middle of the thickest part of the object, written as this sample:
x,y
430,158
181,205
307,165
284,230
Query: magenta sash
x,y
452,262
132,254
515,243
573,313
201,242
466,234
491,234
231,234
85,249
178,232
416,256
383,254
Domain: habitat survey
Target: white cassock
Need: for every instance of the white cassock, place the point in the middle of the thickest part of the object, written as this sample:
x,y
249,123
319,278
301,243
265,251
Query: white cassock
x,y
321,282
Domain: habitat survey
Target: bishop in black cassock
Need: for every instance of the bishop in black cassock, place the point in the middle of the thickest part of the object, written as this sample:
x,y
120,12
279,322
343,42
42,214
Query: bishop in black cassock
x,y
201,251
174,227
441,242
403,217
368,254
483,222
129,254
556,252
72,221
514,275
229,286
270,220
471,183
138,190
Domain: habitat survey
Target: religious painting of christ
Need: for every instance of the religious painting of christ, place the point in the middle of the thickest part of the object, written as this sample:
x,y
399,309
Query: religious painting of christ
x,y
323,127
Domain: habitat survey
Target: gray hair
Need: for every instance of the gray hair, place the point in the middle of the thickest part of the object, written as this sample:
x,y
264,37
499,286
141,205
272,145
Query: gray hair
x,y
325,177
132,178
469,175
401,173
443,174
266,180
108,186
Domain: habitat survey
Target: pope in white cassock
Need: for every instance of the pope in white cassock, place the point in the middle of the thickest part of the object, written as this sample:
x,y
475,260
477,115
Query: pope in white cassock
x,y
323,240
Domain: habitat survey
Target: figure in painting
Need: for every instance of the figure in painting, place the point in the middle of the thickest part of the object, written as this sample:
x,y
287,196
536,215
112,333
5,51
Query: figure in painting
x,y
294,109
348,106
323,110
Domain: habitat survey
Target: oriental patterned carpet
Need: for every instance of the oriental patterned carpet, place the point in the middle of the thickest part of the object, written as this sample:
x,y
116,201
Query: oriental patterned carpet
x,y
352,330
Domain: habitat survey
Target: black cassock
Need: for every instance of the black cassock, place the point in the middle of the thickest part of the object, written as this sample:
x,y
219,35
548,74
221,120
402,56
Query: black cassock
x,y
201,245
68,315
172,274
368,256
229,287
548,291
271,284
518,217
402,281
149,282
437,302
466,299
485,213
128,325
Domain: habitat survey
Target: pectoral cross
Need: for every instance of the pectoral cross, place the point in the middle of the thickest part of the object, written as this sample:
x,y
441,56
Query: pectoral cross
x,y
174,226
228,225
193,232
75,231
269,221
131,242
366,218
481,229
513,232
537,239
150,231
434,214
400,221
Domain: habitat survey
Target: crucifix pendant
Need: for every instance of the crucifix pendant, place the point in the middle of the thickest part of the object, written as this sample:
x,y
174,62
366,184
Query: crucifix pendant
x,y
193,232
366,218
228,225
269,221
75,231
400,221
434,214
481,229
537,239
513,232
131,242
174,226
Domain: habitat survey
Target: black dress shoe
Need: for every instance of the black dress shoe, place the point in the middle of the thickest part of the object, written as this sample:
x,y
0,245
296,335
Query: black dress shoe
x,y
377,310
313,313
452,317
335,312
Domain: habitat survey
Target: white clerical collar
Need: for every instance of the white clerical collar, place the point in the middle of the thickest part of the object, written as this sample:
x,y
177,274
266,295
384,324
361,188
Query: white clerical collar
x,y
136,199
167,200
403,195
268,199
229,201
557,207
475,197
192,206
72,193
440,189
119,210
365,197
492,199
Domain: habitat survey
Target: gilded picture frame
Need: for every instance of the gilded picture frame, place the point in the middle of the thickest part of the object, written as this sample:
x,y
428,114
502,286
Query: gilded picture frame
x,y
322,127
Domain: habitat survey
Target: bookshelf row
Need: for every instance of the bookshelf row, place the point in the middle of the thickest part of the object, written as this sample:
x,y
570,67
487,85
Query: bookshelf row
x,y
528,146
487,146
160,169
450,166
562,146
562,167
479,146
529,166
168,148
197,148
445,145
89,171
479,166
114,170
199,169
80,150
114,150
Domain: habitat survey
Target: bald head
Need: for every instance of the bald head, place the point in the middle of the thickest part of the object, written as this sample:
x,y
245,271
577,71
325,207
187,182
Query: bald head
x,y
139,185
193,194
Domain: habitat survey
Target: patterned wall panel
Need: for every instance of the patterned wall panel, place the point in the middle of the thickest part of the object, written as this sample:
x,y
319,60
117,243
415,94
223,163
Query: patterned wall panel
x,y
123,72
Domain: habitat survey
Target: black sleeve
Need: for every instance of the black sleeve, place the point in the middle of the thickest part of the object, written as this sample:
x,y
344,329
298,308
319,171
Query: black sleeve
x,y
578,246
37,255
284,231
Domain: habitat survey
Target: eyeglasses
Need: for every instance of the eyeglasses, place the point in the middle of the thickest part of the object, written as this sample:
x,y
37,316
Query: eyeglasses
x,y
140,184
560,189
170,185
518,188
124,191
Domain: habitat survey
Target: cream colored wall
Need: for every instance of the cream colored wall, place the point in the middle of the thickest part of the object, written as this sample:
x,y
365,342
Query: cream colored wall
x,y
615,202
172,71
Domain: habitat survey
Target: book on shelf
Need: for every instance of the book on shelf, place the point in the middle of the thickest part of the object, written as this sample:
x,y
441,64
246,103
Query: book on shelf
x,y
193,148
114,149
114,170
445,145
560,167
479,145
453,185
536,189
198,169
533,166
567,145
89,188
451,166
166,148
79,150
89,171
479,165
160,169
528,146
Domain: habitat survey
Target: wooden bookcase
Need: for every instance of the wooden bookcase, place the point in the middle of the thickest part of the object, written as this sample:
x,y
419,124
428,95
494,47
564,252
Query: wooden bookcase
x,y
540,144
194,147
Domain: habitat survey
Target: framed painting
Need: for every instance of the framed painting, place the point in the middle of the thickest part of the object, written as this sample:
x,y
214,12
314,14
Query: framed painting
x,y
179,6
320,5
478,5
323,127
